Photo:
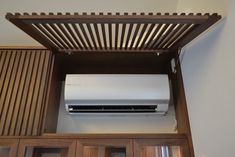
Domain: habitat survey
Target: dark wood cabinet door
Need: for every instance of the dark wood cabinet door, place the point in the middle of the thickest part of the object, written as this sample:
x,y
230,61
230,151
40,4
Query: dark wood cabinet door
x,y
51,147
161,148
104,148
8,147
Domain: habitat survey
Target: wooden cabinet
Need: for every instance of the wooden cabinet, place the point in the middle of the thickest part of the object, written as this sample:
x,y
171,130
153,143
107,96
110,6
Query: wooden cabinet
x,y
104,148
113,145
8,147
161,148
51,147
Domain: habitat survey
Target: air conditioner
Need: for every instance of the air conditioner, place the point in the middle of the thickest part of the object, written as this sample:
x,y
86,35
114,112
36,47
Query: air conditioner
x,y
117,94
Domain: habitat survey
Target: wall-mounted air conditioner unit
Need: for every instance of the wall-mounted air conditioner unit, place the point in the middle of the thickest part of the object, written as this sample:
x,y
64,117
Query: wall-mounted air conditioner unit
x,y
117,94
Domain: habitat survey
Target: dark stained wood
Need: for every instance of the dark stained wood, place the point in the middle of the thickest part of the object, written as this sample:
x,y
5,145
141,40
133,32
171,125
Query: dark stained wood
x,y
85,35
4,93
51,109
141,35
102,144
79,35
110,35
60,36
101,18
47,34
67,35
31,31
128,35
22,85
147,35
91,35
54,35
45,145
197,31
13,88
114,136
41,96
36,88
159,36
73,35
183,125
98,35
140,144
12,144
30,103
135,35
166,36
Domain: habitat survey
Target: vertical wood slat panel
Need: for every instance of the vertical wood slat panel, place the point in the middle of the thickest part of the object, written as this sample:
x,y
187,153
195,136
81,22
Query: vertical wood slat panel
x,y
24,74
30,95
12,93
5,93
42,94
37,87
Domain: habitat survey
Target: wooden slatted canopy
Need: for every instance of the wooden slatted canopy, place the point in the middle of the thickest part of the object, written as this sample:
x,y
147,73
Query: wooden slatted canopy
x,y
108,32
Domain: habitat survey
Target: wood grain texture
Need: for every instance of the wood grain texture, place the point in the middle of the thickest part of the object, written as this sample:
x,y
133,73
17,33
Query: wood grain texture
x,y
65,147
12,144
55,33
183,125
88,147
23,81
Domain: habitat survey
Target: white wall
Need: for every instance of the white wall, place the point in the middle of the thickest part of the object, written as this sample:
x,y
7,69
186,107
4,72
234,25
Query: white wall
x,y
11,35
208,73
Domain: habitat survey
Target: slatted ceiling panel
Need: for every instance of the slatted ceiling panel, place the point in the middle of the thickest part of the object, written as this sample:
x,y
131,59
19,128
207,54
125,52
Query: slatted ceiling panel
x,y
113,32
23,80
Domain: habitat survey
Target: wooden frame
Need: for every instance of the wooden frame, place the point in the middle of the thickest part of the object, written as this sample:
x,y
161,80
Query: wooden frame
x,y
159,33
140,143
12,144
67,146
102,143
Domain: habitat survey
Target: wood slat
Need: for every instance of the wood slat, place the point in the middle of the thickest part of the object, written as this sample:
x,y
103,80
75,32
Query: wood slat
x,y
37,88
41,94
79,35
147,35
4,92
47,34
91,35
128,35
54,35
60,35
141,35
24,75
159,36
12,91
85,35
98,36
135,35
73,35
30,97
11,120
164,36
56,30
67,35
116,35
20,103
104,36
122,35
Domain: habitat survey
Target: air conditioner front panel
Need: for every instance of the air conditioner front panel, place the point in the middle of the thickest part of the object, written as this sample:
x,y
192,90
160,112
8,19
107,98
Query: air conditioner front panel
x,y
115,87
116,93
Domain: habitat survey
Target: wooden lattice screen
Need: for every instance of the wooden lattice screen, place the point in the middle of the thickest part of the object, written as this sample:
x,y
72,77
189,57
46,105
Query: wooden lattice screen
x,y
78,33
